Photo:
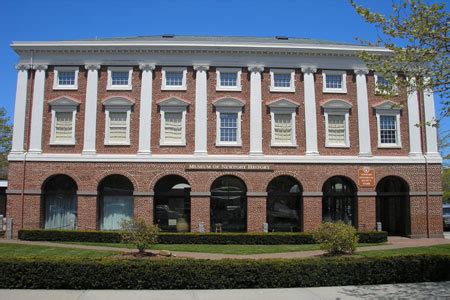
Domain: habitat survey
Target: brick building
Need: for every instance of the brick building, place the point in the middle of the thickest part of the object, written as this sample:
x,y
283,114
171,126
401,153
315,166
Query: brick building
x,y
217,134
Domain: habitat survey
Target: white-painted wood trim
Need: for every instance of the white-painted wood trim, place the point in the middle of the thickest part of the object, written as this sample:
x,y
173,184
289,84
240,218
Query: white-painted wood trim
x,y
310,111
415,147
255,110
127,87
20,107
337,112
57,86
59,108
365,148
342,90
163,110
37,112
165,87
236,88
290,89
228,109
390,112
201,110
117,108
145,112
283,110
90,115
430,129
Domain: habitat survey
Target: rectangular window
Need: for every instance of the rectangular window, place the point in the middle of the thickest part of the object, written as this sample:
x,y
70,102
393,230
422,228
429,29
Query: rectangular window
x,y
228,79
66,78
282,128
336,130
174,78
228,127
334,81
118,127
119,78
282,80
388,129
173,127
63,127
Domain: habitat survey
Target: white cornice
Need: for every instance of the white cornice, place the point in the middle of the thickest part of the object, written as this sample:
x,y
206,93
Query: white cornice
x,y
267,159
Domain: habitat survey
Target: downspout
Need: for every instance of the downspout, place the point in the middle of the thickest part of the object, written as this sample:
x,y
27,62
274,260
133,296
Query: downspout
x,y
28,120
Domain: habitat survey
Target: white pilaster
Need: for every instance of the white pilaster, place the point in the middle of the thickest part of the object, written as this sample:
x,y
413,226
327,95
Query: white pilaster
x,y
90,115
363,113
20,108
430,130
310,111
255,110
37,112
415,148
145,113
201,110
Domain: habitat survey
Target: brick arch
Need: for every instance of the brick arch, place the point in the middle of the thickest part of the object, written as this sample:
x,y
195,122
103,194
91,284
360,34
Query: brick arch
x,y
242,177
103,175
48,177
169,173
278,174
352,180
408,186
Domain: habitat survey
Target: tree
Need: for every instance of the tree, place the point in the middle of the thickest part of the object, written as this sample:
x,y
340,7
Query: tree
x,y
417,35
5,138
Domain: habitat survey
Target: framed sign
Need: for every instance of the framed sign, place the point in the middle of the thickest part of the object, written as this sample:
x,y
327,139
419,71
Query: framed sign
x,y
366,177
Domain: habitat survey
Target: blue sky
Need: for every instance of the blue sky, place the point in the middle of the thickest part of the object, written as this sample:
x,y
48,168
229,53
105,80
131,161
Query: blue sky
x,y
25,20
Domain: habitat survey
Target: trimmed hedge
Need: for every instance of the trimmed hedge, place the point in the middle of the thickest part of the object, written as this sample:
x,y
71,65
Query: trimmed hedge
x,y
26,273
277,238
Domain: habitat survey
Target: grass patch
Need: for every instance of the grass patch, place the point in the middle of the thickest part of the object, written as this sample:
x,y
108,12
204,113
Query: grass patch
x,y
14,250
437,249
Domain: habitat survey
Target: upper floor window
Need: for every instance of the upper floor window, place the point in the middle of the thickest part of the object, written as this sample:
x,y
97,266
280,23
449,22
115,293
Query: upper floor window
x,y
282,114
174,78
336,113
334,81
64,110
383,86
173,122
117,120
119,78
66,78
282,80
388,125
228,121
228,79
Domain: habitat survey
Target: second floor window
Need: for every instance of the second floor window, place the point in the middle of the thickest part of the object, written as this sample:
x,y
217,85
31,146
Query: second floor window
x,y
64,110
388,124
388,130
282,128
282,80
334,81
118,127
228,79
173,127
228,121
66,78
119,78
63,126
173,78
337,114
336,129
228,127
173,121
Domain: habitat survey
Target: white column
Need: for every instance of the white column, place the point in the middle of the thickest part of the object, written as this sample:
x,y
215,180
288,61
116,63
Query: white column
x,y
37,111
310,111
430,130
255,110
201,110
90,115
415,148
145,113
20,109
363,113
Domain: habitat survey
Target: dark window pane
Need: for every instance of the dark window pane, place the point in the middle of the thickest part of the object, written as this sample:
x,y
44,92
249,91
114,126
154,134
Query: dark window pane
x,y
339,201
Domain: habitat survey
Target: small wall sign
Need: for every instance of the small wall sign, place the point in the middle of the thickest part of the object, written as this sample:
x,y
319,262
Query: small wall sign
x,y
366,177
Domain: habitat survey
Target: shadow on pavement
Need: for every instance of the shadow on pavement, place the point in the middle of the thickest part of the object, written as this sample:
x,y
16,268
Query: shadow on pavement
x,y
418,290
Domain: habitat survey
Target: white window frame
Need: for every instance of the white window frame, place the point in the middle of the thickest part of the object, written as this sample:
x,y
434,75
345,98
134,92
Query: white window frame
x,y
238,86
128,87
337,108
388,108
229,105
273,88
63,104
173,105
165,87
283,106
342,90
117,104
57,86
377,89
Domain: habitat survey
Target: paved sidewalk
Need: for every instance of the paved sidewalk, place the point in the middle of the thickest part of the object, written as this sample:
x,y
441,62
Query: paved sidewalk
x,y
425,290
393,243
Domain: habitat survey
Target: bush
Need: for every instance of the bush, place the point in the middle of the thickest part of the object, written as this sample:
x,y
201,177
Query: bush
x,y
337,238
53,273
277,238
139,233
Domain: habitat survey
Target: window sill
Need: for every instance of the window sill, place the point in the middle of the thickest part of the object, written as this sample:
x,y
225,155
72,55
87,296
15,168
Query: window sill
x,y
282,90
172,144
328,91
229,89
283,146
337,146
65,88
117,144
118,88
237,145
173,88
62,144
389,147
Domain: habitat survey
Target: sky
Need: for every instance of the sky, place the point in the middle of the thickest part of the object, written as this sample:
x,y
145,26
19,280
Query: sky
x,y
41,20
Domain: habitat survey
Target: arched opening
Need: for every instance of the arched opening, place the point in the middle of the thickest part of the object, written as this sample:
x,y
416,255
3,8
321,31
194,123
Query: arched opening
x,y
339,200
284,204
60,203
393,205
172,204
228,205
115,201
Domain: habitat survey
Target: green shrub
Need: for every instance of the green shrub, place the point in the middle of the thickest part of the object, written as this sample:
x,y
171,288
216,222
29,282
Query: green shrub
x,y
139,233
276,238
337,238
53,273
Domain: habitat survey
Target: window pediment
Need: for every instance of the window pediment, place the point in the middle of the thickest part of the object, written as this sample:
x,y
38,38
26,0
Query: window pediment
x,y
283,103
117,101
64,101
337,104
173,101
388,105
228,102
